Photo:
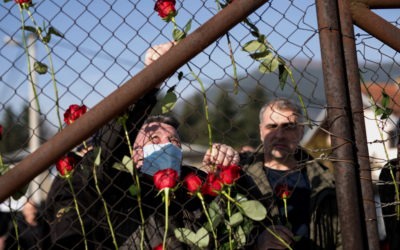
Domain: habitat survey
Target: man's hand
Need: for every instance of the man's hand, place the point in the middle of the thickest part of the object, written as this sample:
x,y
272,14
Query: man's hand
x,y
221,154
156,51
29,211
272,238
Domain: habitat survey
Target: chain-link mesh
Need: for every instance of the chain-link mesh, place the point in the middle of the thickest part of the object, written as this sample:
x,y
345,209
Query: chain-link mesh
x,y
96,46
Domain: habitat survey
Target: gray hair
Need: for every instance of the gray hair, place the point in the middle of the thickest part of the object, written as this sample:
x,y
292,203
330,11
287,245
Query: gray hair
x,y
281,103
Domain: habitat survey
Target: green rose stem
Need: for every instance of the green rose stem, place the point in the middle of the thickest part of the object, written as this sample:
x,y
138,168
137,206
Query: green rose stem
x,y
14,221
268,229
166,201
105,208
231,199
295,86
15,224
39,33
232,57
233,62
127,135
139,198
200,196
9,206
396,187
285,207
137,181
229,215
78,212
203,91
28,61
279,238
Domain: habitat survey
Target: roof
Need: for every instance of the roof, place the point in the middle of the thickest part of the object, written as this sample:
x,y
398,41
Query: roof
x,y
375,91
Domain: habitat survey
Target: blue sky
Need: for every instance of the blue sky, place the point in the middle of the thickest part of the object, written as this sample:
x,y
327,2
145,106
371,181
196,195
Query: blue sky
x,y
105,42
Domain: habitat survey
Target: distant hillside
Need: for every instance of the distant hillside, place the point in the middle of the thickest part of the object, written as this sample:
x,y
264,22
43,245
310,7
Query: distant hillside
x,y
234,117
309,80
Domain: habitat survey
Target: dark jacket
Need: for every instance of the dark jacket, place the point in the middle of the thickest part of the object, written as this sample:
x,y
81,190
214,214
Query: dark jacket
x,y
323,216
185,211
60,212
387,194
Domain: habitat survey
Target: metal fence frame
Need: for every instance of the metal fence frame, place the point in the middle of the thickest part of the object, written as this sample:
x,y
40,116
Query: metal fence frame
x,y
343,93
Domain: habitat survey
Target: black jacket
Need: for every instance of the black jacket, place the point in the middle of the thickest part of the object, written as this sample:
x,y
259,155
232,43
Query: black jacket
x,y
60,212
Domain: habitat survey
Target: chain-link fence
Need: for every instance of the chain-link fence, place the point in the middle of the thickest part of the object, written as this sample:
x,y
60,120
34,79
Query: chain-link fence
x,y
72,52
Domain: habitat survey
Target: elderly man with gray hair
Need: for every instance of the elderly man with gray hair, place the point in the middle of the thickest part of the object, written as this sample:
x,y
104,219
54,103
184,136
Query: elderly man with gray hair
x,y
298,192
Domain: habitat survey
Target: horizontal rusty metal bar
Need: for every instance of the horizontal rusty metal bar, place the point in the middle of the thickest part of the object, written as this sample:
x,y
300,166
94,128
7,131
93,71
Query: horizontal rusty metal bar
x,y
127,94
375,25
379,4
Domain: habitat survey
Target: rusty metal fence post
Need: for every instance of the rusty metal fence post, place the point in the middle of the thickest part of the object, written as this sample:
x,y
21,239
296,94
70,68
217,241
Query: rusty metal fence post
x,y
339,118
354,90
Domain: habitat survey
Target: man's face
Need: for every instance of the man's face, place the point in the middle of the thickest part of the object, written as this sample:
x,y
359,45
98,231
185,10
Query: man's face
x,y
280,132
154,133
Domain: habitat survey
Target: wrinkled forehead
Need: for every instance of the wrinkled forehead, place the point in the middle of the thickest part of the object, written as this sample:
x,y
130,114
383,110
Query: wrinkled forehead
x,y
273,114
155,128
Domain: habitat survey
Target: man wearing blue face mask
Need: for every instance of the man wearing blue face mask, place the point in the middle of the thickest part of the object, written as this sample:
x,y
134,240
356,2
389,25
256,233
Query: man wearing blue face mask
x,y
161,156
64,228
158,146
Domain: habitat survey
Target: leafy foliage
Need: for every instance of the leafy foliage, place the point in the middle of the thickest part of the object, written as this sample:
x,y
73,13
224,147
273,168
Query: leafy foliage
x,y
383,110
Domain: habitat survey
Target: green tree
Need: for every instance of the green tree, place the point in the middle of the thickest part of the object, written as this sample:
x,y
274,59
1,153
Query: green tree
x,y
16,129
193,127
223,117
15,134
234,118
249,115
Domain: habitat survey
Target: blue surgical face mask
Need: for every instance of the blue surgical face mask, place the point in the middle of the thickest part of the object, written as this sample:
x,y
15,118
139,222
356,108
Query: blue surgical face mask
x,y
161,156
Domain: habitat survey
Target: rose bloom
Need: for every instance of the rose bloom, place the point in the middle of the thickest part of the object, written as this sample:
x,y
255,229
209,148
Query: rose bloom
x,y
283,191
165,8
65,165
165,178
73,113
212,185
159,247
192,182
23,1
229,174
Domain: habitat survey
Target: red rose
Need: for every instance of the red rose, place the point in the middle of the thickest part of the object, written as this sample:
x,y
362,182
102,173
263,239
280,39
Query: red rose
x,y
165,178
283,191
165,8
192,182
159,247
1,131
65,165
73,113
23,1
212,185
229,174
